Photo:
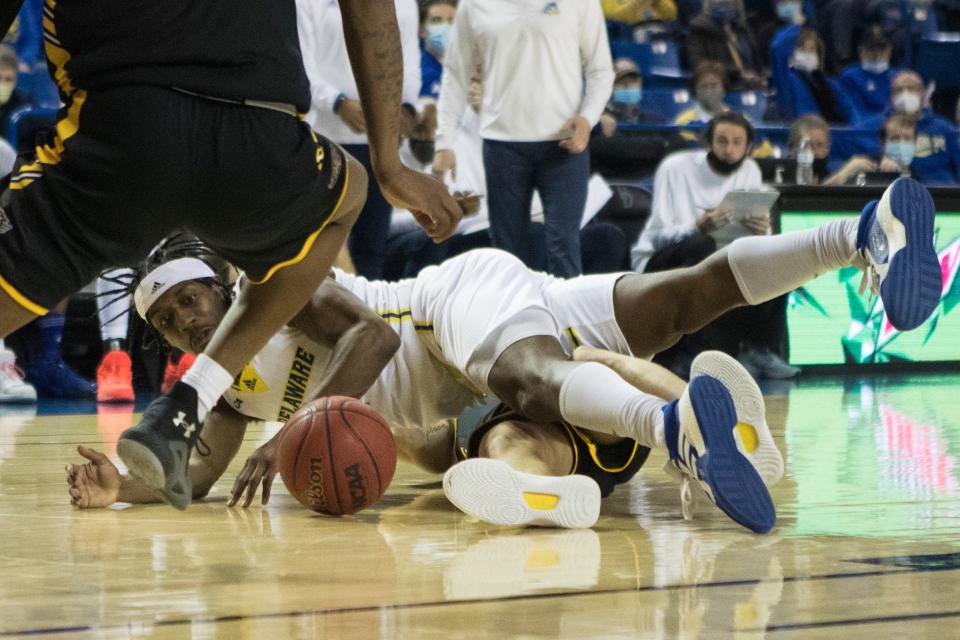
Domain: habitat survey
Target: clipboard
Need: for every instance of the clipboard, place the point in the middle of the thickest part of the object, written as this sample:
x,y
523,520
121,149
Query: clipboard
x,y
745,204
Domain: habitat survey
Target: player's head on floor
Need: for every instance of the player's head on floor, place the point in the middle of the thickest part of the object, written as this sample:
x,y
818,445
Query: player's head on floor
x,y
182,293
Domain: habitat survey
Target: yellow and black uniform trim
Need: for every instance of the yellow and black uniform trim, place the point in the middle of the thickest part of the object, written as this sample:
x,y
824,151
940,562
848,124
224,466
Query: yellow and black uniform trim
x,y
308,243
574,337
399,315
608,464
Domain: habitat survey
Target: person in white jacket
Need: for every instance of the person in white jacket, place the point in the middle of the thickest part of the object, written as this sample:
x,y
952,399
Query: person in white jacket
x,y
547,75
335,110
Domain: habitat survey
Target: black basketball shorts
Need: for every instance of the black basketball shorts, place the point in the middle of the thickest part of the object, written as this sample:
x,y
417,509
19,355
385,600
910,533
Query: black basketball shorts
x,y
127,166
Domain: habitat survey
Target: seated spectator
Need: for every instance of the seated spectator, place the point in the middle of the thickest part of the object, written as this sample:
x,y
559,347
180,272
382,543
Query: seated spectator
x,y
867,84
709,94
937,150
816,130
810,90
436,25
636,11
11,98
720,34
689,189
899,138
786,14
628,153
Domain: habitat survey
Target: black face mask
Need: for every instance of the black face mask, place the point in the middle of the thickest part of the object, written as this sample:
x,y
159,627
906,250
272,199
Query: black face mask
x,y
422,150
722,167
820,168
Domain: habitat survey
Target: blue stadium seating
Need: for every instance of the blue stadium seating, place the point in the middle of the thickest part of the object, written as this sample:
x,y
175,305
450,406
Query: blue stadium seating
x,y
938,59
39,86
752,104
667,102
26,122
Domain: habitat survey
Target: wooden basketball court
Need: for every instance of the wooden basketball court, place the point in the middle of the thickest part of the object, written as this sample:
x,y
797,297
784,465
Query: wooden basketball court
x,y
866,544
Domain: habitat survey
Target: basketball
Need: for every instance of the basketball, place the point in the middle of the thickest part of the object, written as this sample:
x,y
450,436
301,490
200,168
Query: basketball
x,y
337,455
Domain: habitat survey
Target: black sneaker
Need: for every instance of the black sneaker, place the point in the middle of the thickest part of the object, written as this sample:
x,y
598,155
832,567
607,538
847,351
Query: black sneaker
x,y
157,450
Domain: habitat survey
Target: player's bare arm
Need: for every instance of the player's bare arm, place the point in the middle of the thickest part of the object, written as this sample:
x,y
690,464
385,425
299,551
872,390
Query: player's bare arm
x,y
361,342
98,483
373,44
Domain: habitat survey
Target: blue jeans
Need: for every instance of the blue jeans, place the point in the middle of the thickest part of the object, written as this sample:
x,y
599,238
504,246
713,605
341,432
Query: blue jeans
x,y
514,170
368,238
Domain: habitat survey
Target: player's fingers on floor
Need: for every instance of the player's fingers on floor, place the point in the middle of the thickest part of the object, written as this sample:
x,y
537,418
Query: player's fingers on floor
x,y
267,484
253,484
238,485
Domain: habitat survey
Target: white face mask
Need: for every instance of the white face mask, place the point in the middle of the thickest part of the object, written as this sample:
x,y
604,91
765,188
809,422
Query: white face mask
x,y
806,60
875,66
6,90
907,102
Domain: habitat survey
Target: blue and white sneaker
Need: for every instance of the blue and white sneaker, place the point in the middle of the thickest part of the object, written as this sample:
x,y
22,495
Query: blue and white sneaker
x,y
895,236
700,433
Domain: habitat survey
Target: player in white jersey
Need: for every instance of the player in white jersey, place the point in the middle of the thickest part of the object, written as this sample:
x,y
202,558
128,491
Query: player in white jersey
x,y
510,332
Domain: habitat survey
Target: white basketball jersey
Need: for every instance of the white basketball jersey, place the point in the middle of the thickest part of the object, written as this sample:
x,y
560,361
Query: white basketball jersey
x,y
413,390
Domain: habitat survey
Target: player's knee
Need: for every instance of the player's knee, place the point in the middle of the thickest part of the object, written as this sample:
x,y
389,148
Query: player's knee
x,y
538,399
500,440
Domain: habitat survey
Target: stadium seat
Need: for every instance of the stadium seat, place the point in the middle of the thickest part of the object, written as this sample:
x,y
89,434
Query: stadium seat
x,y
938,59
39,86
666,101
752,104
628,208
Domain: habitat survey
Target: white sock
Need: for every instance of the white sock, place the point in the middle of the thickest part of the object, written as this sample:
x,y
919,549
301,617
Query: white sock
x,y
210,380
769,266
114,310
595,397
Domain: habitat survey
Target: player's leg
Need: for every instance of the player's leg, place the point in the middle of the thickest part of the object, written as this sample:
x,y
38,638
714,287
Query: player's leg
x,y
892,241
115,371
12,314
699,431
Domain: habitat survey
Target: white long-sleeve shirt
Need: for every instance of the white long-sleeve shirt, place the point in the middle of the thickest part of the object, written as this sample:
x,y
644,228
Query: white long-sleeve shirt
x,y
683,187
324,51
543,62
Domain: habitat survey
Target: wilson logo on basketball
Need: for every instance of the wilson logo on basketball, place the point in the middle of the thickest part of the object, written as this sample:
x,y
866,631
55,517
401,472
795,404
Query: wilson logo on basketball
x,y
316,495
358,490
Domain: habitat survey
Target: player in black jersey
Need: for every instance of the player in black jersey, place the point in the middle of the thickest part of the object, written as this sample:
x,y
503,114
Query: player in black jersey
x,y
183,114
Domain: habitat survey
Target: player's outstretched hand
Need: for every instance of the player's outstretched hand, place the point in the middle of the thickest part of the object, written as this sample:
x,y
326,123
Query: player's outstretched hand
x,y
95,484
260,468
426,198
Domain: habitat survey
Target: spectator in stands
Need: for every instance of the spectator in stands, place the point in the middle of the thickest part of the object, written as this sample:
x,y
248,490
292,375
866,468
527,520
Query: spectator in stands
x,y
636,11
561,58
709,94
720,34
11,98
817,131
786,14
689,189
336,113
899,138
628,153
810,90
937,150
838,22
436,25
867,84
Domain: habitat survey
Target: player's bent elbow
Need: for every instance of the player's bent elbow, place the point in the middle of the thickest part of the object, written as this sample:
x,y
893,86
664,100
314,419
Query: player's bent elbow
x,y
385,340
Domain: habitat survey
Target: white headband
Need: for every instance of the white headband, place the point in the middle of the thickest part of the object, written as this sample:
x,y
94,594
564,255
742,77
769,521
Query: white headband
x,y
167,275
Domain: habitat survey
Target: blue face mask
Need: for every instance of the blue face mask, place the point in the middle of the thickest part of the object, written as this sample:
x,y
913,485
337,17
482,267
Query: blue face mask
x,y
788,11
900,152
438,35
877,66
631,95
724,13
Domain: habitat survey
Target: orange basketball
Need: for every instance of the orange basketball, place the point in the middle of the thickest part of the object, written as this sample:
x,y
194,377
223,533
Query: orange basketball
x,y
337,455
